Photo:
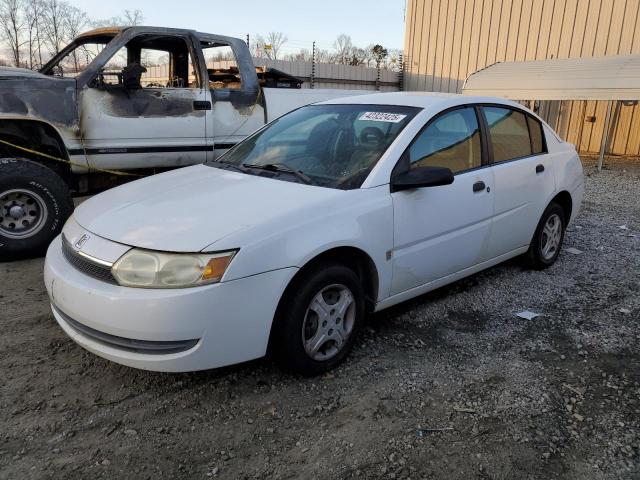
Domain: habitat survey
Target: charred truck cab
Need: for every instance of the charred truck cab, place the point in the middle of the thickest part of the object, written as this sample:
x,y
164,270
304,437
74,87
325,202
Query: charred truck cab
x,y
117,103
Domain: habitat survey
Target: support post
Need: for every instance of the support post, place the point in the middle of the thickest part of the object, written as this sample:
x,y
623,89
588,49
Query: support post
x,y
313,66
605,134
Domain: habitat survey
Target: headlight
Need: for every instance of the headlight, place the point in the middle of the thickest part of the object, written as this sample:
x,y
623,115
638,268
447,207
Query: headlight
x,y
149,269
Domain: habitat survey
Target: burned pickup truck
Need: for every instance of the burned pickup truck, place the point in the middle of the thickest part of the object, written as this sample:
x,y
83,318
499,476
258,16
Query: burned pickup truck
x,y
121,102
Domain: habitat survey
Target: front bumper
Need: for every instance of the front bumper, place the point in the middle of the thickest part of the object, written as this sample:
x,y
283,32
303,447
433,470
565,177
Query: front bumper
x,y
210,326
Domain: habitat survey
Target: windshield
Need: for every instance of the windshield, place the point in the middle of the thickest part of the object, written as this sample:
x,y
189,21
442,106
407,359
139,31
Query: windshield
x,y
76,59
332,146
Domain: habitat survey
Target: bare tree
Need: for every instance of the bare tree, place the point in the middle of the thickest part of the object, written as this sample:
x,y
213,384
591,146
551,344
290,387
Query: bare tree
x,y
303,55
74,23
343,47
323,56
393,60
131,18
13,26
270,46
54,25
34,10
358,56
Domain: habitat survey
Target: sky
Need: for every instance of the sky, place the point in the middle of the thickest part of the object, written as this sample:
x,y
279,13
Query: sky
x,y
303,21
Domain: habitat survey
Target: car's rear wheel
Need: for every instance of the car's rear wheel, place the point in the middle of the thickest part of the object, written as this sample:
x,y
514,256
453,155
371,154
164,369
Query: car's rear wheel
x,y
320,317
34,204
548,238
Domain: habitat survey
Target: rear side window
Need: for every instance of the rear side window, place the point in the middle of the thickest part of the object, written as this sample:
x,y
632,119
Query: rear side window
x,y
451,140
537,139
508,133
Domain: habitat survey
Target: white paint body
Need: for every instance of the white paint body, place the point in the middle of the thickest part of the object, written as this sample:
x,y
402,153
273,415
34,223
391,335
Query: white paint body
x,y
418,239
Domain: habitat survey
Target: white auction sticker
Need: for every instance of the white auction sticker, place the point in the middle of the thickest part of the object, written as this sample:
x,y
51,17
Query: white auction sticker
x,y
382,117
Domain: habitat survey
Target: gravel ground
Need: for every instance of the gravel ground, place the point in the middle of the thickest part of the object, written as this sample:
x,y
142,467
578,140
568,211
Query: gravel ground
x,y
449,385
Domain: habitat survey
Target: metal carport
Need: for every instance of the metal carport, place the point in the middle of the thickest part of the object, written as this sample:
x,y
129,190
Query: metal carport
x,y
612,78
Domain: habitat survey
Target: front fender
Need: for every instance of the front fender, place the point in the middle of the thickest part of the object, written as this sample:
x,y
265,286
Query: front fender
x,y
361,218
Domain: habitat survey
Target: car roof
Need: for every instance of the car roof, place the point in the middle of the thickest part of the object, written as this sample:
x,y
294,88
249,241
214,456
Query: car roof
x,y
420,99
102,31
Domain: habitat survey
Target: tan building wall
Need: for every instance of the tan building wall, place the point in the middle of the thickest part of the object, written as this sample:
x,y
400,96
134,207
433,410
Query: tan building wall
x,y
447,40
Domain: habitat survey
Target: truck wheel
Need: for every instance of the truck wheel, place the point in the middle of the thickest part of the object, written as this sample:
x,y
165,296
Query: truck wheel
x,y
34,204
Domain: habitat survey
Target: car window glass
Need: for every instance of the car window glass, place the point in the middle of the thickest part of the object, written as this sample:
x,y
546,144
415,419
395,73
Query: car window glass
x,y
508,133
451,140
335,146
535,127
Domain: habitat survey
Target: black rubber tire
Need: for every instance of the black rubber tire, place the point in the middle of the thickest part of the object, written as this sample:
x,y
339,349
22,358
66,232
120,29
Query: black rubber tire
x,y
287,345
534,256
29,175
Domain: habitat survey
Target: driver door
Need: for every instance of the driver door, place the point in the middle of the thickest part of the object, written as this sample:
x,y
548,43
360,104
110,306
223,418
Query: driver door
x,y
156,118
439,231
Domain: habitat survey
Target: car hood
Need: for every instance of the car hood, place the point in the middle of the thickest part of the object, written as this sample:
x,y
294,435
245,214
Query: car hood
x,y
25,93
14,72
189,209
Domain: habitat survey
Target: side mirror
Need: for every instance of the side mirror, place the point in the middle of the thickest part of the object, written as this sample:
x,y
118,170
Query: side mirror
x,y
421,177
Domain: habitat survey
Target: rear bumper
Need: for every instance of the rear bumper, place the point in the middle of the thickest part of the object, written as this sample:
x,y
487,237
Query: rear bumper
x,y
172,330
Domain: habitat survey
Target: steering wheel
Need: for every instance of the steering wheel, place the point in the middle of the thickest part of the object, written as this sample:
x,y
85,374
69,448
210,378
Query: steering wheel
x,y
371,137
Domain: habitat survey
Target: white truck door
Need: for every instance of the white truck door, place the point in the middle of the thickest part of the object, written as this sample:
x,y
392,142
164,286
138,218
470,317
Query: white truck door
x,y
154,116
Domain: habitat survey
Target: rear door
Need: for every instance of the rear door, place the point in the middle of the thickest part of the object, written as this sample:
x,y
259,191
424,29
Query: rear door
x,y
441,230
522,173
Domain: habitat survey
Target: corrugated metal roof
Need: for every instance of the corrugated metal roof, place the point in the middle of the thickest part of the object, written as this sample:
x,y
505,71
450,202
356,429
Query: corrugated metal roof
x,y
593,78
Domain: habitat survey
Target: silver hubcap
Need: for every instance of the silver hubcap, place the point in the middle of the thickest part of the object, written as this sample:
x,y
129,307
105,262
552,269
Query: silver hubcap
x,y
22,213
328,322
551,235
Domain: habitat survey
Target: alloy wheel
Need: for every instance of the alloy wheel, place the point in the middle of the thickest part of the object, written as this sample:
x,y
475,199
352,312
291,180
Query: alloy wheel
x,y
551,236
328,322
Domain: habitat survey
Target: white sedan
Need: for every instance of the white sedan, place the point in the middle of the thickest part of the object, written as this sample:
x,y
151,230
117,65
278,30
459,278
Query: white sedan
x,y
290,239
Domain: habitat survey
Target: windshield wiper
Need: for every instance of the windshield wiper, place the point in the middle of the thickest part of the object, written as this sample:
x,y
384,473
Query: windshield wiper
x,y
280,167
227,165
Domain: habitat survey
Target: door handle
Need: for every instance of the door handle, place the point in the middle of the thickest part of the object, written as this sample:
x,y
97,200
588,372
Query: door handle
x,y
479,186
201,105
539,168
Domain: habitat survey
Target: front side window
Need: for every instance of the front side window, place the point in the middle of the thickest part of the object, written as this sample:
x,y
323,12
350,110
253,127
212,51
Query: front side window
x,y
333,146
452,140
150,61
508,133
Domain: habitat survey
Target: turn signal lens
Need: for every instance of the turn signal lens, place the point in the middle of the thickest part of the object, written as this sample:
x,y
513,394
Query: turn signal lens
x,y
216,267
150,269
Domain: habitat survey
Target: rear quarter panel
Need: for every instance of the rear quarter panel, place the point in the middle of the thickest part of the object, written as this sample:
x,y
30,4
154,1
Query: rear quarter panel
x,y
567,168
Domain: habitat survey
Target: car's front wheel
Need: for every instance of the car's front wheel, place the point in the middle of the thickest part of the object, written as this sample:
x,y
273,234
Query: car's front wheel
x,y
319,319
547,241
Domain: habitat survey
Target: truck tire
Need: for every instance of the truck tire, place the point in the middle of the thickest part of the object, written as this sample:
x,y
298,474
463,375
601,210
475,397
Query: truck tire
x,y
34,204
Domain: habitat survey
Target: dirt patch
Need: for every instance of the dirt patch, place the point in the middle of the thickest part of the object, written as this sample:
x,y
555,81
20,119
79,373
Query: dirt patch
x,y
449,385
